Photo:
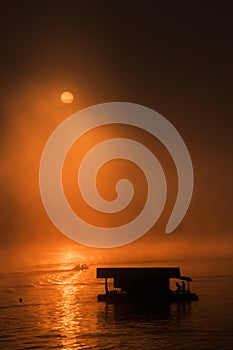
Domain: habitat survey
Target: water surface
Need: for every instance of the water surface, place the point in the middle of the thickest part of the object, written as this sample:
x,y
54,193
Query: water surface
x,y
60,311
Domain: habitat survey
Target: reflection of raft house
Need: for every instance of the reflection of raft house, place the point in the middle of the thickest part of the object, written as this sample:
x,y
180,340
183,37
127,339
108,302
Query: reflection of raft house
x,y
143,285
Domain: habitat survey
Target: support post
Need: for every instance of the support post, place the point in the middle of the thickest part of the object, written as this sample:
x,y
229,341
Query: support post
x,y
106,285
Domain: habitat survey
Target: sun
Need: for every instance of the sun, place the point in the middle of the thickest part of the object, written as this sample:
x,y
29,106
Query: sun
x,y
67,97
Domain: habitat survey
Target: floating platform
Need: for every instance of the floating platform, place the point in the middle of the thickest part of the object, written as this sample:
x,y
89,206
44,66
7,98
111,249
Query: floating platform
x,y
144,285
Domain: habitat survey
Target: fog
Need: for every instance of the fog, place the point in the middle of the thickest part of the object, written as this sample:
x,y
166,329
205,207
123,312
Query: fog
x,y
174,59
27,233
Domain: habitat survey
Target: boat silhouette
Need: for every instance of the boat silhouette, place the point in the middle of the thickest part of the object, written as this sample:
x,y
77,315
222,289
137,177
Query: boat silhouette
x,y
80,267
144,285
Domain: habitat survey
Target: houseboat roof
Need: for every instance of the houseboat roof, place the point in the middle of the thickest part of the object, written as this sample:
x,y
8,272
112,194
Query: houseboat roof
x,y
140,273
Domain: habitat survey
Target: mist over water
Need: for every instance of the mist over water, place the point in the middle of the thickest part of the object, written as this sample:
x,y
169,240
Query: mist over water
x,y
172,58
59,308
206,230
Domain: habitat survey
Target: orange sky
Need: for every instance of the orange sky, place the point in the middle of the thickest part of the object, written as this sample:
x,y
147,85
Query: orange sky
x,y
203,232
174,60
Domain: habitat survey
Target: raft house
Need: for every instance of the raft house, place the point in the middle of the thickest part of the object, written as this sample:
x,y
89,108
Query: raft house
x,y
145,284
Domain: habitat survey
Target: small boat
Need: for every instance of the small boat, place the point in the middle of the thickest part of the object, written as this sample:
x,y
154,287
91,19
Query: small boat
x,y
80,267
144,285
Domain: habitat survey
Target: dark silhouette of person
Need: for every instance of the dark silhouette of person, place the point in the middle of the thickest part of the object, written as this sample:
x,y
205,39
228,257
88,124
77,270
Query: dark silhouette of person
x,y
183,287
178,287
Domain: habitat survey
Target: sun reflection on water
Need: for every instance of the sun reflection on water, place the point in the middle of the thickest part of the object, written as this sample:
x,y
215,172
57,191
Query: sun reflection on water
x,y
68,313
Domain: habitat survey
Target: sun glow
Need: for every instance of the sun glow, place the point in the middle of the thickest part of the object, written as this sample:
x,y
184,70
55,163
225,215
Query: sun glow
x,y
67,97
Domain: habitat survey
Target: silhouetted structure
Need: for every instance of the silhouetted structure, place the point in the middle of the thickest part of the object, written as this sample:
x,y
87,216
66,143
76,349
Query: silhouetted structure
x,y
142,285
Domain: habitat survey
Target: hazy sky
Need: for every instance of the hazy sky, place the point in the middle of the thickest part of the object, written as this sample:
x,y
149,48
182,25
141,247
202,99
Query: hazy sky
x,y
172,56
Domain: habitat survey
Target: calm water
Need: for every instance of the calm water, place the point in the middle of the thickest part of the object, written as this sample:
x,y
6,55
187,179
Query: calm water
x,y
60,311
